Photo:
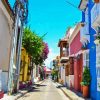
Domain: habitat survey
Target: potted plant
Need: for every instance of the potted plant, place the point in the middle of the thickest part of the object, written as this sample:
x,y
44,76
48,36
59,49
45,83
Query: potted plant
x,y
86,81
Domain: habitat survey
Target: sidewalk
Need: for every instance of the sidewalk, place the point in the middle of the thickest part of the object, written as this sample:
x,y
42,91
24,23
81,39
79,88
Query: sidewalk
x,y
72,95
21,92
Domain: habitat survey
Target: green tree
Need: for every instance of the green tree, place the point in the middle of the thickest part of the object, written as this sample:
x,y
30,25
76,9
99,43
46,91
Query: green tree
x,y
33,44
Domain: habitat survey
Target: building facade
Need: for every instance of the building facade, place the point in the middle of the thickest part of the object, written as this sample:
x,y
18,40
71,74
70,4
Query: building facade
x,y
76,53
95,23
63,44
6,19
88,33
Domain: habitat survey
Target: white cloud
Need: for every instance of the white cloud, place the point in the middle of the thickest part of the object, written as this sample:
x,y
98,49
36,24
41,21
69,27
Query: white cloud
x,y
51,56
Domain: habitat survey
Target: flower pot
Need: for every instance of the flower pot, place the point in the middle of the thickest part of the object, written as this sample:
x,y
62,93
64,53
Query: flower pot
x,y
85,91
96,1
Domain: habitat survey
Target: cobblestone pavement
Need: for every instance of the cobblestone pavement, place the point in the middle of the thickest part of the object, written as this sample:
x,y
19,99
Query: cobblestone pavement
x,y
46,91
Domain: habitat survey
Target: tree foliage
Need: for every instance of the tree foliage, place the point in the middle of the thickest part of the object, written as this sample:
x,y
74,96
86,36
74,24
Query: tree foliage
x,y
35,46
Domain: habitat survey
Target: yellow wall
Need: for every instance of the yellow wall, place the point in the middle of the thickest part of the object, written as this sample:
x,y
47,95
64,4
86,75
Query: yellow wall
x,y
24,66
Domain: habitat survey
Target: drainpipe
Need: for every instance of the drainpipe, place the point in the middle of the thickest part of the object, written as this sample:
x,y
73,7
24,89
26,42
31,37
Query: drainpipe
x,y
19,57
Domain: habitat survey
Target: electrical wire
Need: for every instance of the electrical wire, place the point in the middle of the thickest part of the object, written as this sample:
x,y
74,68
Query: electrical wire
x,y
75,6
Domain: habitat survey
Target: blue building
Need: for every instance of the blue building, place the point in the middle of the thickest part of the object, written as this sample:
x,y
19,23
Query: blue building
x,y
95,23
88,34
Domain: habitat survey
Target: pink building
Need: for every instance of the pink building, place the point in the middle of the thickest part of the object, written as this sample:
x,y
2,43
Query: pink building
x,y
76,54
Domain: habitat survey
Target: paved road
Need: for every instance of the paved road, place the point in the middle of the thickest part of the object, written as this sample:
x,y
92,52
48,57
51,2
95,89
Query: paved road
x,y
46,91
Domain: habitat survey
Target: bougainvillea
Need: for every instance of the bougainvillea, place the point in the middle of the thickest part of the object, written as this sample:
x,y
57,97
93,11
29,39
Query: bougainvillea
x,y
45,51
44,54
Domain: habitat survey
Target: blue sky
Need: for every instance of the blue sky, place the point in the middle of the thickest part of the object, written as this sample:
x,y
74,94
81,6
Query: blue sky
x,y
52,17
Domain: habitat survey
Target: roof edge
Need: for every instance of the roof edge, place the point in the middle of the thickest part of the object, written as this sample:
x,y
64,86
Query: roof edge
x,y
8,8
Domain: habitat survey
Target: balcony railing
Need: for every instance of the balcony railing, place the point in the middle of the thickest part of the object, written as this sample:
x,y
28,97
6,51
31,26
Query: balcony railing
x,y
95,15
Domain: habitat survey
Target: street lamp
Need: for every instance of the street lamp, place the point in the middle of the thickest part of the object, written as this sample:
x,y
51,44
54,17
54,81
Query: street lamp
x,y
20,16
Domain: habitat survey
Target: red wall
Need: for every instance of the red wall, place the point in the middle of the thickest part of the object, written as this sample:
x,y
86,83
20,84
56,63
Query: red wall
x,y
78,68
75,46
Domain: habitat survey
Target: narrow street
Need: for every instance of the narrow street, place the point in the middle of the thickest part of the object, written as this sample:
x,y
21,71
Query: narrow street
x,y
46,91
49,49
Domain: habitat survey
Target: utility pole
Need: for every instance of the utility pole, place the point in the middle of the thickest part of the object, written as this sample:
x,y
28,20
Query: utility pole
x,y
21,13
23,18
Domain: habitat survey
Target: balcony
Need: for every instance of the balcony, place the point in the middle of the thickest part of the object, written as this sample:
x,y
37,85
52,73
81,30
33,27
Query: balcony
x,y
64,55
95,16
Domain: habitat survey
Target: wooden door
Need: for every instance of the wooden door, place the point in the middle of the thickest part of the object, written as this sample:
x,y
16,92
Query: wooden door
x,y
80,66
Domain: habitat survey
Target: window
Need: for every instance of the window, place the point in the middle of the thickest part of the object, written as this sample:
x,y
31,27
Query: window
x,y
86,58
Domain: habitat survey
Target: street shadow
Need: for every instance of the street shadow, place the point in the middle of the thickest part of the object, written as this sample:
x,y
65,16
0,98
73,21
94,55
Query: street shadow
x,y
34,90
41,85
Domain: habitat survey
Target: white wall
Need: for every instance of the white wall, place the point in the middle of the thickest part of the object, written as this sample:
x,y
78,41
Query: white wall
x,y
5,44
63,75
71,80
5,40
4,79
34,74
67,81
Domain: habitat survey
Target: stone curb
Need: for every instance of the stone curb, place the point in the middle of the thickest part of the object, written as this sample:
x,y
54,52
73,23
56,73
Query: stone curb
x,y
20,95
71,95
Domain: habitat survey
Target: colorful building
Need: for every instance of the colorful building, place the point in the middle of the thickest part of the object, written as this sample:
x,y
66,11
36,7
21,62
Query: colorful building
x,y
25,68
95,23
6,23
63,44
88,34
76,53
69,66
